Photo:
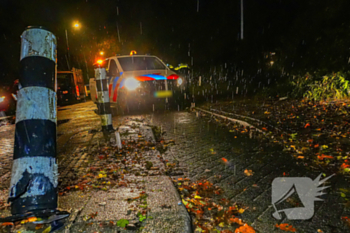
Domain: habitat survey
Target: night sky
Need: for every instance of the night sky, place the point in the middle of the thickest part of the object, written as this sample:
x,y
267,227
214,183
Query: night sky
x,y
176,31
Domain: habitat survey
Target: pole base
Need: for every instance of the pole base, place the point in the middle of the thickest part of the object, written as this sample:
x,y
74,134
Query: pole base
x,y
46,216
108,129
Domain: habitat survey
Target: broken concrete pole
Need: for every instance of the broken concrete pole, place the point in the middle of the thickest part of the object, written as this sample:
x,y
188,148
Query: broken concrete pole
x,y
34,178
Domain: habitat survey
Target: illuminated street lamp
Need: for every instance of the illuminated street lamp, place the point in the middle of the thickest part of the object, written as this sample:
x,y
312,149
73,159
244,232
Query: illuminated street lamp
x,y
101,53
76,25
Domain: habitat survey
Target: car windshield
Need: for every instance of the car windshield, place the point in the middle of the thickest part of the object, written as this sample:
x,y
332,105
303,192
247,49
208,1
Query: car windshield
x,y
140,63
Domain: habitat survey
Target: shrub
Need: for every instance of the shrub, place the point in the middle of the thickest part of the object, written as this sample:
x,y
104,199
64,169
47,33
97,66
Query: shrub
x,y
331,87
318,88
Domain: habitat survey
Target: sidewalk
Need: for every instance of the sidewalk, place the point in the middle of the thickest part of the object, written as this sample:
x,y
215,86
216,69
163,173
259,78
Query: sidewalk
x,y
128,186
111,190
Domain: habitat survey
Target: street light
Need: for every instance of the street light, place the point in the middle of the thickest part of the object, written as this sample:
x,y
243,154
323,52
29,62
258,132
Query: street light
x,y
101,53
76,25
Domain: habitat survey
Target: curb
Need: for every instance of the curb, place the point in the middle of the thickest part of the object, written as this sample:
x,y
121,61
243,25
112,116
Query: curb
x,y
2,119
184,213
250,118
243,123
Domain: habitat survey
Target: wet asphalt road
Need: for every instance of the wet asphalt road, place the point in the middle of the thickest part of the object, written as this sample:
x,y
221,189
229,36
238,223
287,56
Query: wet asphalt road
x,y
201,144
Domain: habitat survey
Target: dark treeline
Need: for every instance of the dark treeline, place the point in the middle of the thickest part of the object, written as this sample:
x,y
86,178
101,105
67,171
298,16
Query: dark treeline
x,y
281,37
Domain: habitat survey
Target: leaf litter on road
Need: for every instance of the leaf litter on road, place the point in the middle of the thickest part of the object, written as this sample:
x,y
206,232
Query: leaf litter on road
x,y
210,210
316,133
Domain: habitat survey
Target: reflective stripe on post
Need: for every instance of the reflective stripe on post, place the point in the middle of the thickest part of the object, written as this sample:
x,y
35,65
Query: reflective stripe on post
x,y
34,178
103,104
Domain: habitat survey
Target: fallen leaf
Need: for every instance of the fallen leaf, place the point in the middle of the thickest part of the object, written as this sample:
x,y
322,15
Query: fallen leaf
x,y
32,219
122,223
241,211
236,220
39,226
184,202
248,172
285,227
7,224
47,230
346,220
93,215
245,229
321,157
24,221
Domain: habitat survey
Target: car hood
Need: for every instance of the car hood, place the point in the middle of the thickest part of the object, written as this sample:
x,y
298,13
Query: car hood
x,y
150,75
141,75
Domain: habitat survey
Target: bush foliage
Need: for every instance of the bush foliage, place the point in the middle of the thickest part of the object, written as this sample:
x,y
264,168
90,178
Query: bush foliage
x,y
319,88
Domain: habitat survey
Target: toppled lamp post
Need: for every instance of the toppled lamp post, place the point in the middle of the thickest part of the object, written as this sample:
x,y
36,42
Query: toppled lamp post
x,y
34,178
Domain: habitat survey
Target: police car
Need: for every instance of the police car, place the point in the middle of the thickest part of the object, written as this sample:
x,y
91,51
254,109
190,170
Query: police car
x,y
136,81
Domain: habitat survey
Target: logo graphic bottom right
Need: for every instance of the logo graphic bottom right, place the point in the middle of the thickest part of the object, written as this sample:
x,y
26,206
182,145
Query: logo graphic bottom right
x,y
296,196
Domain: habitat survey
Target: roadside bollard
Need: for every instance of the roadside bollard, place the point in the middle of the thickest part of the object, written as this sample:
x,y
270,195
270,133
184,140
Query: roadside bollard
x,y
193,105
103,106
34,178
118,140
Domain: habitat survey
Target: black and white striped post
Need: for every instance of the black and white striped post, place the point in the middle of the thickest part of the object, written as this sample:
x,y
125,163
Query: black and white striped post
x,y
103,105
34,178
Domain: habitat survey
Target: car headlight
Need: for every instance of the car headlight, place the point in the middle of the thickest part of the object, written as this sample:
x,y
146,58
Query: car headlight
x,y
131,84
179,81
2,98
